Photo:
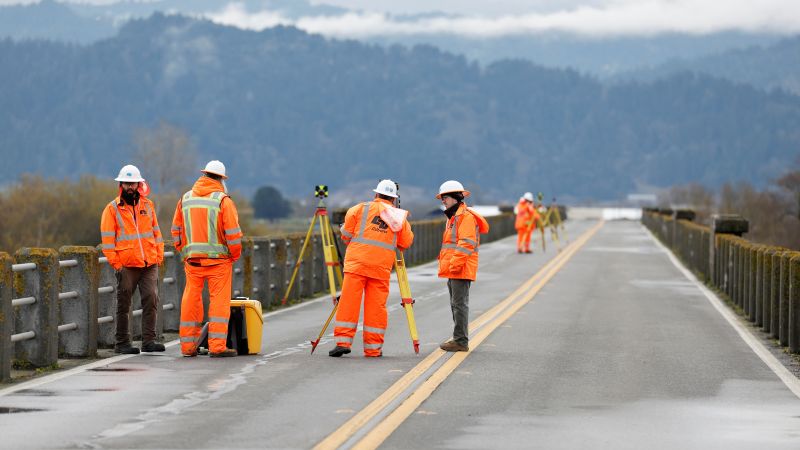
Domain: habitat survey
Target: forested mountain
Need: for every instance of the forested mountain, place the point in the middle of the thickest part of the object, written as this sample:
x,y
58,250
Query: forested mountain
x,y
774,66
290,109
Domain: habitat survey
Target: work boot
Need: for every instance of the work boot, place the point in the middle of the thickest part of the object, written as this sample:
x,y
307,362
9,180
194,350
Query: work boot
x,y
339,351
153,347
126,349
190,355
228,352
453,346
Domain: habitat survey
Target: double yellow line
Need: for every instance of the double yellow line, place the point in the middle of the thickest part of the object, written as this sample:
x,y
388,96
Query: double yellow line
x,y
480,329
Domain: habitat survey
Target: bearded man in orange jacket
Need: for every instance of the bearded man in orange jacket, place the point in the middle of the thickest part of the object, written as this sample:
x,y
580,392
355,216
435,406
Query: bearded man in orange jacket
x,y
458,258
206,231
132,243
371,246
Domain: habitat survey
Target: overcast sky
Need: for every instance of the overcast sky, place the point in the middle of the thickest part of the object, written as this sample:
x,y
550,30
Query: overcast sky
x,y
493,18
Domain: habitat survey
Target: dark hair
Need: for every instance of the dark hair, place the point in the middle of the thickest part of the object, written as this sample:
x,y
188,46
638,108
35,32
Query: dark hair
x,y
458,196
213,176
385,197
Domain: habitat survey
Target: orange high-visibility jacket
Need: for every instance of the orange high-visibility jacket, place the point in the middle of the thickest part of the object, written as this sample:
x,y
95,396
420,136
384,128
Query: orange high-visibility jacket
x,y
130,234
371,244
205,226
458,257
527,216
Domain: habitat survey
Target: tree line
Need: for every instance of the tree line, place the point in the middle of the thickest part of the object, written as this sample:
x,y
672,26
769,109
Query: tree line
x,y
773,212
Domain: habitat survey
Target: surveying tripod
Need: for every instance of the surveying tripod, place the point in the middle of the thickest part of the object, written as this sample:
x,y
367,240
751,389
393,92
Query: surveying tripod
x,y
331,252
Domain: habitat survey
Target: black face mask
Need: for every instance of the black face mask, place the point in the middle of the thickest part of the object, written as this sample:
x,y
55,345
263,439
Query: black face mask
x,y
451,211
130,198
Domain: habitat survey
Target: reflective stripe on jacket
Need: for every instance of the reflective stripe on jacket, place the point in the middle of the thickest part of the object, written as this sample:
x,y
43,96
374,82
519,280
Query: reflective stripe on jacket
x,y
130,235
458,257
371,244
205,227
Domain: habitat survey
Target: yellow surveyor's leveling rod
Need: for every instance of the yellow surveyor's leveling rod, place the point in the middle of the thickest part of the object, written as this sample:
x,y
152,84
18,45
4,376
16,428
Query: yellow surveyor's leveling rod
x,y
405,290
330,250
405,298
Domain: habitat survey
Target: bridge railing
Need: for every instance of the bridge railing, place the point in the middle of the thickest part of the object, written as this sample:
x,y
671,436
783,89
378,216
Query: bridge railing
x,y
760,282
63,303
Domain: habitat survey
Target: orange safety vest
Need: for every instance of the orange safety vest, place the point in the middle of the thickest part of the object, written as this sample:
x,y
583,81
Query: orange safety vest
x,y
371,243
526,216
205,227
130,234
458,257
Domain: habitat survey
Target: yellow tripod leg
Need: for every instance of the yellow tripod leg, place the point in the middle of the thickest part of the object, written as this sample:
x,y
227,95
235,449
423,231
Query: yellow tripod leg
x,y
406,299
299,261
334,269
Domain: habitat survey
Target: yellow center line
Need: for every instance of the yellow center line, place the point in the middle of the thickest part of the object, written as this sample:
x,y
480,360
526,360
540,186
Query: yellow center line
x,y
352,426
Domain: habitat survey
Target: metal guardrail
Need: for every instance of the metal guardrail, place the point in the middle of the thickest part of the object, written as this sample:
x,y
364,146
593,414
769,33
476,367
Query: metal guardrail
x,y
63,303
760,282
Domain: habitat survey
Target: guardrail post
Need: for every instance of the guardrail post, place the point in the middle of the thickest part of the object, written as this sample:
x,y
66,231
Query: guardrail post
x,y
783,332
319,272
6,316
41,317
279,270
106,306
170,291
758,288
766,289
775,294
293,244
794,303
78,302
261,272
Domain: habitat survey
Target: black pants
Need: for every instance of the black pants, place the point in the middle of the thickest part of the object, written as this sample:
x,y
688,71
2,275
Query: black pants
x,y
459,304
146,278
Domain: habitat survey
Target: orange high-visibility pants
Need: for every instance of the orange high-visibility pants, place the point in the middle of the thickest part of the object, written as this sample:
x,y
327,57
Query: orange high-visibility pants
x,y
524,239
375,292
219,310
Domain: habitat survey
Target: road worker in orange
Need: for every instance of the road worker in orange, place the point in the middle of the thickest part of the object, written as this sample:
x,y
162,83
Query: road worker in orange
x,y
206,231
527,218
458,258
371,245
132,243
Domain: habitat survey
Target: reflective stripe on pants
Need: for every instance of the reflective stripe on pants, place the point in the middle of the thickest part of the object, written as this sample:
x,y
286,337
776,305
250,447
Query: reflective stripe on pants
x,y
219,287
374,292
524,239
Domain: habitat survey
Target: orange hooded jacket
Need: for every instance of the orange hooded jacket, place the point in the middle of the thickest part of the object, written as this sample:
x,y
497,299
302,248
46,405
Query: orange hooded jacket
x,y
371,243
527,216
130,234
211,217
458,257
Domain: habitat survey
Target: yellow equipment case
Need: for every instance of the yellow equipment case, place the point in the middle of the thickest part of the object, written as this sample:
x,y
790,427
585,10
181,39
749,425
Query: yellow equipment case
x,y
245,326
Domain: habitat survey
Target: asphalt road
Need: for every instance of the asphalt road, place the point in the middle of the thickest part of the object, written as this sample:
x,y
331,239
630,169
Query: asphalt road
x,y
608,345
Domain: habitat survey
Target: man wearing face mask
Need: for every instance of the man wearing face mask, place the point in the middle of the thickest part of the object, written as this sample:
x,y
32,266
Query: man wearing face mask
x,y
458,258
205,229
132,242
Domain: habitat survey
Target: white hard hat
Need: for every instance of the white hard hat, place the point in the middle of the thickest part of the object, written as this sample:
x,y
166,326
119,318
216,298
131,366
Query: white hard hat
x,y
528,196
387,188
215,167
451,186
129,174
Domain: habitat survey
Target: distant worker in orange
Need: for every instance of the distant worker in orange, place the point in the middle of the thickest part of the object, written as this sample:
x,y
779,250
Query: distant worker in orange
x,y
206,232
371,246
458,258
133,245
527,217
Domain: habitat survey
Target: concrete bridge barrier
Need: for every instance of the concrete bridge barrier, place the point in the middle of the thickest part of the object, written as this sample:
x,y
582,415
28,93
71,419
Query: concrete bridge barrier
x,y
62,303
760,282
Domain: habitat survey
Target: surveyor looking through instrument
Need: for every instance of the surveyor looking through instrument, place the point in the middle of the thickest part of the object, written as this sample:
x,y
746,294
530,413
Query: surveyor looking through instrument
x,y
373,231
